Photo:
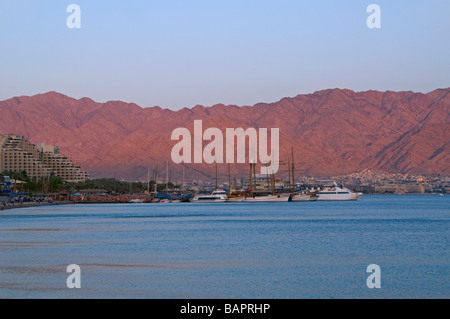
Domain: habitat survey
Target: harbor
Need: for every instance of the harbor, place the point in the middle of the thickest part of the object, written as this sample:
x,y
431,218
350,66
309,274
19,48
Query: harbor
x,y
252,189
39,174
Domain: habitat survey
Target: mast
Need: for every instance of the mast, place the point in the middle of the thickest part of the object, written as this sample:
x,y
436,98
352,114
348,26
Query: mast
x,y
254,174
217,186
253,160
273,184
293,169
289,171
251,178
273,181
156,179
167,177
182,186
148,181
229,178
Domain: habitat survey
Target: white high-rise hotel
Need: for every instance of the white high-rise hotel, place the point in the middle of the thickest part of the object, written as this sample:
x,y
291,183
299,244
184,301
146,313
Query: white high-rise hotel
x,y
18,154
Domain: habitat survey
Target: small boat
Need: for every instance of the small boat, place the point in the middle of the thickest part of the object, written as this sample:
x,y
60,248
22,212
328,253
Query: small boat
x,y
136,201
337,192
236,197
217,196
303,196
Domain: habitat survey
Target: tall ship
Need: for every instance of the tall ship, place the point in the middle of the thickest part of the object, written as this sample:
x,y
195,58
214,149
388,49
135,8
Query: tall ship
x,y
331,191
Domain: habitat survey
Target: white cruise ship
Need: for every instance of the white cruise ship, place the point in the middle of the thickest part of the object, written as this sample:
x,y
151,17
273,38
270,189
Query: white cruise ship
x,y
336,192
217,196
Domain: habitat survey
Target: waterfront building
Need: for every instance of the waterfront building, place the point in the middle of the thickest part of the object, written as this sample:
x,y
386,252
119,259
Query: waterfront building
x,y
18,155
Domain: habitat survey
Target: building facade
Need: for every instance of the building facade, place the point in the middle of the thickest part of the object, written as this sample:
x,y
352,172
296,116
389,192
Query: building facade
x,y
18,155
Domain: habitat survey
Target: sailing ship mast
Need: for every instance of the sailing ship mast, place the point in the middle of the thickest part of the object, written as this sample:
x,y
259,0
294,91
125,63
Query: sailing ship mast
x,y
156,179
229,179
289,172
251,178
167,177
254,175
182,187
217,186
293,169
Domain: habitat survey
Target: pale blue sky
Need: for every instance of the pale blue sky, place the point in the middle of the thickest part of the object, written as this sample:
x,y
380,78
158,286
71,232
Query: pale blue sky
x,y
181,53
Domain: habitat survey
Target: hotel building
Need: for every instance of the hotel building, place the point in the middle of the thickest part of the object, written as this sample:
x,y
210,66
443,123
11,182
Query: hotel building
x,y
18,154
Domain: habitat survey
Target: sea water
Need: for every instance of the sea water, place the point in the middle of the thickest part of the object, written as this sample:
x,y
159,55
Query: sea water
x,y
229,250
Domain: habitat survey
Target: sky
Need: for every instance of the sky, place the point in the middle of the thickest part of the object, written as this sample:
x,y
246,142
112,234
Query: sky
x,y
181,53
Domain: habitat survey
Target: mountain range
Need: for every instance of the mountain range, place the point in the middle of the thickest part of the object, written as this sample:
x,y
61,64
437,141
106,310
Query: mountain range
x,y
331,132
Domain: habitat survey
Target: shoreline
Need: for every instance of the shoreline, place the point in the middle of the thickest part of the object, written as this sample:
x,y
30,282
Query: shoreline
x,y
61,203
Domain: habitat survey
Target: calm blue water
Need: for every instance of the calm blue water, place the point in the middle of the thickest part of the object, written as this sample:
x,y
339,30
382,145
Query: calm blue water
x,y
229,250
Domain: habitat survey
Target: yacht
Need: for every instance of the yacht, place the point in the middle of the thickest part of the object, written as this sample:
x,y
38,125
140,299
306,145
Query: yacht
x,y
217,196
336,192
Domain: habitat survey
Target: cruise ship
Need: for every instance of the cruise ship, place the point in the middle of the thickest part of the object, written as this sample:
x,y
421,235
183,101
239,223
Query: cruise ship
x,y
217,196
335,192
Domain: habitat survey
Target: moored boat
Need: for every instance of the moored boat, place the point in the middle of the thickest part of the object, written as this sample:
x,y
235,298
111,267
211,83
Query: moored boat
x,y
217,196
303,196
337,192
267,198
136,201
